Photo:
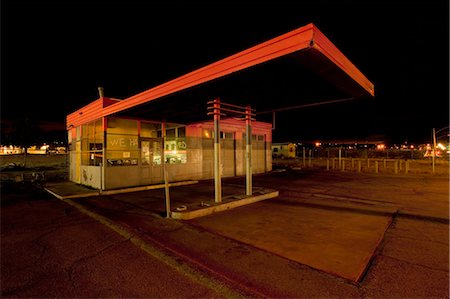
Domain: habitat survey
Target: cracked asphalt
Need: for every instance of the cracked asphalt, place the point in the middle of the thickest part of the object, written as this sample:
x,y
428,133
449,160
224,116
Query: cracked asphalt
x,y
49,249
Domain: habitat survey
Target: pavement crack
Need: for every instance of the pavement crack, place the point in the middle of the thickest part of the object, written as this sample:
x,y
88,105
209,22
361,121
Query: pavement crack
x,y
398,236
414,264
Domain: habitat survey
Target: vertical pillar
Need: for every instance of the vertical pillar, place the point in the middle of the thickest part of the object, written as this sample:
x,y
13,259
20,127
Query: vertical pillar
x,y
328,164
396,166
376,166
248,151
343,165
406,166
359,165
353,164
217,174
165,170
332,163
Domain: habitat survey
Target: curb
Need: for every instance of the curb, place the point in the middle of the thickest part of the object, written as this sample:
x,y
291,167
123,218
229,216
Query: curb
x,y
187,215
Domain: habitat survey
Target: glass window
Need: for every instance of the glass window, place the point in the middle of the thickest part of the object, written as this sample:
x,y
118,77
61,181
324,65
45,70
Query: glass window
x,y
170,132
145,152
122,158
181,132
122,126
92,143
207,134
150,130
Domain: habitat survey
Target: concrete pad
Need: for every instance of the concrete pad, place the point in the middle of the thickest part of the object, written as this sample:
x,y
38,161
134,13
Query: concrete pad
x,y
338,242
68,190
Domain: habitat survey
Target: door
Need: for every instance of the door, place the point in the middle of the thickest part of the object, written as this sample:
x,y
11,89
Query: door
x,y
151,167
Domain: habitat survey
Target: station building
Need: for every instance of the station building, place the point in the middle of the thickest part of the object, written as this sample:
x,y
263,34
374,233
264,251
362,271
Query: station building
x,y
117,152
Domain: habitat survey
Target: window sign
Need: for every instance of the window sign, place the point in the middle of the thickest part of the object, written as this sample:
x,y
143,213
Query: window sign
x,y
121,142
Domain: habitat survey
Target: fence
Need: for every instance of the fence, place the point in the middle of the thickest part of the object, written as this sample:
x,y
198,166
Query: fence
x,y
372,165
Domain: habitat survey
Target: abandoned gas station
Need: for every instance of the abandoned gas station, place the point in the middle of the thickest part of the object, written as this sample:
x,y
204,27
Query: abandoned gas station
x,y
208,123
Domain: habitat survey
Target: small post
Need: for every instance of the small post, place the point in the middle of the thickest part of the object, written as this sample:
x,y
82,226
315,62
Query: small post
x,y
359,165
165,171
376,166
396,167
328,164
400,162
333,161
248,150
353,163
406,166
368,163
343,165
384,164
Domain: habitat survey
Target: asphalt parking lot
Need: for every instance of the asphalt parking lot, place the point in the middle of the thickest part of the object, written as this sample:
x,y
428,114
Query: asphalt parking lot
x,y
328,234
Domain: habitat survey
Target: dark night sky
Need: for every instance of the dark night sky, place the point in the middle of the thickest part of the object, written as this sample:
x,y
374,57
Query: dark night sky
x,y
55,54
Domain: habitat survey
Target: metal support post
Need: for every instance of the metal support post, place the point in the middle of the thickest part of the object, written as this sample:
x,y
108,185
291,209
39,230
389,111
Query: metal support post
x,y
376,166
328,164
217,174
165,170
248,151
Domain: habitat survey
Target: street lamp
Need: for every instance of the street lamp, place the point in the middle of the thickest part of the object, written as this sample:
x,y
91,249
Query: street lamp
x,y
434,144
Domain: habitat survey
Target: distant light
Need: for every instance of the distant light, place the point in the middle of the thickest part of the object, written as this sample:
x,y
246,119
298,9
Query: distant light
x,y
318,144
412,146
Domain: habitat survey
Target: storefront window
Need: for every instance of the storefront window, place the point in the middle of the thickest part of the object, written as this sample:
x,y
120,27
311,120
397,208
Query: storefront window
x,y
92,143
150,152
149,130
122,142
175,145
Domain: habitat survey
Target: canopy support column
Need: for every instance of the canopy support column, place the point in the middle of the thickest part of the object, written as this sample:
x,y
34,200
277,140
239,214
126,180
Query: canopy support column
x,y
248,151
217,174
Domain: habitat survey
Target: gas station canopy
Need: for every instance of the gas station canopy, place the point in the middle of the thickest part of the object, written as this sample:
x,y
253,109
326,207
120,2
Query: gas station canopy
x,y
300,65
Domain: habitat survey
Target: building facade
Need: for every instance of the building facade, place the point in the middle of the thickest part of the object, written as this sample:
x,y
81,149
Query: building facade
x,y
117,152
